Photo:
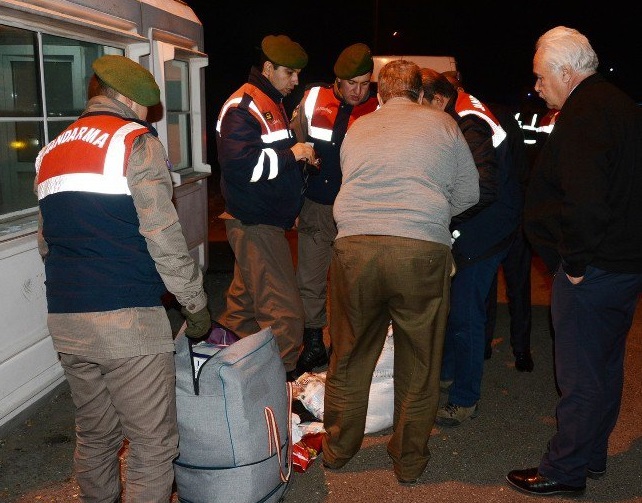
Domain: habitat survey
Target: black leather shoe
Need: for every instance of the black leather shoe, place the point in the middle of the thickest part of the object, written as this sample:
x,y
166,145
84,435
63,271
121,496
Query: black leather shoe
x,y
595,474
531,482
524,362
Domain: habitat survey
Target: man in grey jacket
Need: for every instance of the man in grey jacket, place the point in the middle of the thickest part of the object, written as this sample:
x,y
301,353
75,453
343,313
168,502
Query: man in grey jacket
x,y
406,171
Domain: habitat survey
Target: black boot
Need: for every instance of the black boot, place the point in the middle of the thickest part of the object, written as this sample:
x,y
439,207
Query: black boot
x,y
314,353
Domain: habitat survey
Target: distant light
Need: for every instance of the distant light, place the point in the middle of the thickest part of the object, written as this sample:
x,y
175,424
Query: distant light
x,y
18,145
611,69
395,33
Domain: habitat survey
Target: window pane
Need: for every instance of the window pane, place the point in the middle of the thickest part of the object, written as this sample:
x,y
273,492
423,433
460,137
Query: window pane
x,y
176,86
177,111
19,90
23,141
67,72
57,127
179,141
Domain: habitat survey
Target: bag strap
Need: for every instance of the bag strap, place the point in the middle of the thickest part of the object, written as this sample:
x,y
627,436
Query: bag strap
x,y
190,343
274,437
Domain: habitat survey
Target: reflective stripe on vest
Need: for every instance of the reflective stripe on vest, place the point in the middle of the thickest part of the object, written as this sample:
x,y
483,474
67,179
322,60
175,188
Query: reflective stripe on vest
x,y
102,172
467,104
268,134
310,104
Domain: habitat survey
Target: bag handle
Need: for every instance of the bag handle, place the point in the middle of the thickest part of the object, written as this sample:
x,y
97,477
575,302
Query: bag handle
x,y
274,437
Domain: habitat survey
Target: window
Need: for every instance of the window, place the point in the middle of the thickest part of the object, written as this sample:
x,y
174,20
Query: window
x,y
30,116
177,70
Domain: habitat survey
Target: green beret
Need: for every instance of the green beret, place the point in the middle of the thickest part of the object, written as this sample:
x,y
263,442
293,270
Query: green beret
x,y
284,52
128,78
354,61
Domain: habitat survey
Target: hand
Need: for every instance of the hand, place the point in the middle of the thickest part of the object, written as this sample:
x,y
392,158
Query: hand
x,y
304,152
575,280
198,323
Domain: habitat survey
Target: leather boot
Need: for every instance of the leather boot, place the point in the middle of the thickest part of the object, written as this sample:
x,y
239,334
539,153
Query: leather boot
x,y
314,353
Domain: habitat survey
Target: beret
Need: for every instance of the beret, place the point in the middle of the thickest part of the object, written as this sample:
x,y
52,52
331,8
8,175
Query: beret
x,y
284,52
354,61
128,78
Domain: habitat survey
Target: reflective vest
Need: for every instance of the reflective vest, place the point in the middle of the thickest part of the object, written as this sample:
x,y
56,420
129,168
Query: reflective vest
x,y
321,110
98,260
328,119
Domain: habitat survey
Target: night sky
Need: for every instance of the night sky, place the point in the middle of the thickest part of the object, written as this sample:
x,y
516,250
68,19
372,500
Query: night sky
x,y
493,42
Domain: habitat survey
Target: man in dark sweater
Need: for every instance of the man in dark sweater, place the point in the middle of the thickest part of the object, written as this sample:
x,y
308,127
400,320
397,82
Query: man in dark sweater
x,y
582,211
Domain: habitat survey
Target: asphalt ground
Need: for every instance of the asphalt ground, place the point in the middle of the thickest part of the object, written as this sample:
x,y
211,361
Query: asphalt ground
x,y
468,463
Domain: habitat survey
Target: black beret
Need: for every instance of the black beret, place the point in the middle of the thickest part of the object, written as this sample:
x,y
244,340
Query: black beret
x,y
128,78
284,52
354,61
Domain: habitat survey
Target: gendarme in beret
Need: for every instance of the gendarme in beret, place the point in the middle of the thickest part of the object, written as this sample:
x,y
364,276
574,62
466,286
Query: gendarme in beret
x,y
128,78
354,61
283,51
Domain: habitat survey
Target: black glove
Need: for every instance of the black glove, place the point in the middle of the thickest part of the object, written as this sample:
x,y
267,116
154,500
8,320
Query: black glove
x,y
198,323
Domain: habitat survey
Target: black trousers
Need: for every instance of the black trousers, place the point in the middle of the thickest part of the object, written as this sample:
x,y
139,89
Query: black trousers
x,y
591,321
517,273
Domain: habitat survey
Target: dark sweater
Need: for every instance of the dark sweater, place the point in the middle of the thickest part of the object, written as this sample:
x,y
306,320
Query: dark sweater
x,y
584,199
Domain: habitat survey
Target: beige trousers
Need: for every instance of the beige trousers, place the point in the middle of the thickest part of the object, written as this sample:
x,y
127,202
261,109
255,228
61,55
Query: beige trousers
x,y
133,398
264,292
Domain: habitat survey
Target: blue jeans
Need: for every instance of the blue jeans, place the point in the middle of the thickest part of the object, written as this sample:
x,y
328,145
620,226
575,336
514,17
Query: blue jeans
x,y
463,360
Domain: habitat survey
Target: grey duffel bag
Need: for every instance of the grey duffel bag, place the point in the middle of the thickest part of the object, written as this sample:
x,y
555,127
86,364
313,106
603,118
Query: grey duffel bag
x,y
234,421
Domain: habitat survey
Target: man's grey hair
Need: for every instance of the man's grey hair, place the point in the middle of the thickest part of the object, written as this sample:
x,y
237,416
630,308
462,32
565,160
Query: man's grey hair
x,y
399,78
562,46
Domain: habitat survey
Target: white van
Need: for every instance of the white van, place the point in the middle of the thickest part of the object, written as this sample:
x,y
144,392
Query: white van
x,y
438,63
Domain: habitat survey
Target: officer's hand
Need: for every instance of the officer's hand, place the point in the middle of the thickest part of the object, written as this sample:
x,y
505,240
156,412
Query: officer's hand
x,y
198,323
303,152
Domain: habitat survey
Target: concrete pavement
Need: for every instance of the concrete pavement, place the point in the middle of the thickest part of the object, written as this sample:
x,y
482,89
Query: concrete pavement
x,y
468,463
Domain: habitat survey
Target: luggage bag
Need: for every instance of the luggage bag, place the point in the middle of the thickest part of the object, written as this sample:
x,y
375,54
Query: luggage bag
x,y
234,420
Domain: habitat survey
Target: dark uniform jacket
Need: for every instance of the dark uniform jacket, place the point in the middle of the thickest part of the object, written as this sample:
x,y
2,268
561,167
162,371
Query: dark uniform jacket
x,y
487,228
325,118
261,181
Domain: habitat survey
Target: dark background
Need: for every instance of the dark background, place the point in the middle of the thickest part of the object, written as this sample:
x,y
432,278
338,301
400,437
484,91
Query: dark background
x,y
492,42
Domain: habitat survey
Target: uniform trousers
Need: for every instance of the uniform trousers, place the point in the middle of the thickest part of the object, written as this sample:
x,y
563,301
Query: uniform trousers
x,y
591,322
517,275
264,291
375,279
316,234
133,398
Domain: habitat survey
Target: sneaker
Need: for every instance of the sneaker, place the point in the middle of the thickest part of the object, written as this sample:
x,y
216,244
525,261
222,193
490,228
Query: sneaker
x,y
453,415
445,385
